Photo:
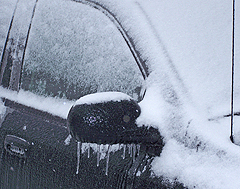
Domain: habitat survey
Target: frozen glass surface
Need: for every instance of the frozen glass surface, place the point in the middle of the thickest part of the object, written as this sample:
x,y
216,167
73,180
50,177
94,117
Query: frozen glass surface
x,y
6,11
75,50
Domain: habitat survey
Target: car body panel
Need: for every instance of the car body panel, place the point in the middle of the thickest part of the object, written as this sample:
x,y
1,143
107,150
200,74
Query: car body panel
x,y
187,54
49,160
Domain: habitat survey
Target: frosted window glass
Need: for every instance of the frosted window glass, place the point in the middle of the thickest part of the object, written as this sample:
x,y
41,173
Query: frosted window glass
x,y
75,50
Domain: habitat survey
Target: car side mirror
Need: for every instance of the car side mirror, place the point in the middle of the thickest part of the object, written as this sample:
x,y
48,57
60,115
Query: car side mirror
x,y
108,118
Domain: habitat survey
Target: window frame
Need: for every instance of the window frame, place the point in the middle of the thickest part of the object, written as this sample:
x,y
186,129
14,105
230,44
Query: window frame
x,y
14,78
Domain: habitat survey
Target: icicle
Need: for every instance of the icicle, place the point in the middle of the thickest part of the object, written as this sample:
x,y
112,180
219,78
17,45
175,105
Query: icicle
x,y
79,149
130,150
98,154
88,151
134,151
138,149
108,154
124,151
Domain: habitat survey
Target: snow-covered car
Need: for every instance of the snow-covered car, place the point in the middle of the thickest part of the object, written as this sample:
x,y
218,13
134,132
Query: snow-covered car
x,y
116,94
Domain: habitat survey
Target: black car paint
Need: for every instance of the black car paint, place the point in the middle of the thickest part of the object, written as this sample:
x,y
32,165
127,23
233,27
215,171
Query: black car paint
x,y
49,162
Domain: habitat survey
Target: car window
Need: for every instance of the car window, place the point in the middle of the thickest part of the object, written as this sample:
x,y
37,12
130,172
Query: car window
x,y
74,50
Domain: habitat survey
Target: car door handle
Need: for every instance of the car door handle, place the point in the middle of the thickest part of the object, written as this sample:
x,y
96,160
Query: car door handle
x,y
16,146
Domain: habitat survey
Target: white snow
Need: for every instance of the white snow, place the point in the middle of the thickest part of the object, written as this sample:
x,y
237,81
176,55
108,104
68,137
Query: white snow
x,y
2,108
189,53
102,97
88,53
197,152
55,106
79,149
190,58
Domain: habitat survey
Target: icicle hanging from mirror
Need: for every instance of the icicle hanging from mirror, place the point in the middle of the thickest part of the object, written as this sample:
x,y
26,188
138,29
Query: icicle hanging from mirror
x,y
124,151
138,149
107,161
133,151
79,149
98,155
88,151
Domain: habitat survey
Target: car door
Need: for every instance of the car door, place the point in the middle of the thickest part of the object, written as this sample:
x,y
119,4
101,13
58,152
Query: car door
x,y
68,50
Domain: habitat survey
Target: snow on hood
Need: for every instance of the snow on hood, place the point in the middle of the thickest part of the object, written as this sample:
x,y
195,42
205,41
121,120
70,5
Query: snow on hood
x,y
188,51
190,83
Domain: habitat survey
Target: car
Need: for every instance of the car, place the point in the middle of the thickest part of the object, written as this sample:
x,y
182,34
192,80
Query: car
x,y
92,98
54,54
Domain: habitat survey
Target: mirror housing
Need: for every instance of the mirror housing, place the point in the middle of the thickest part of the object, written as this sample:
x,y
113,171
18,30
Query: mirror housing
x,y
104,119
